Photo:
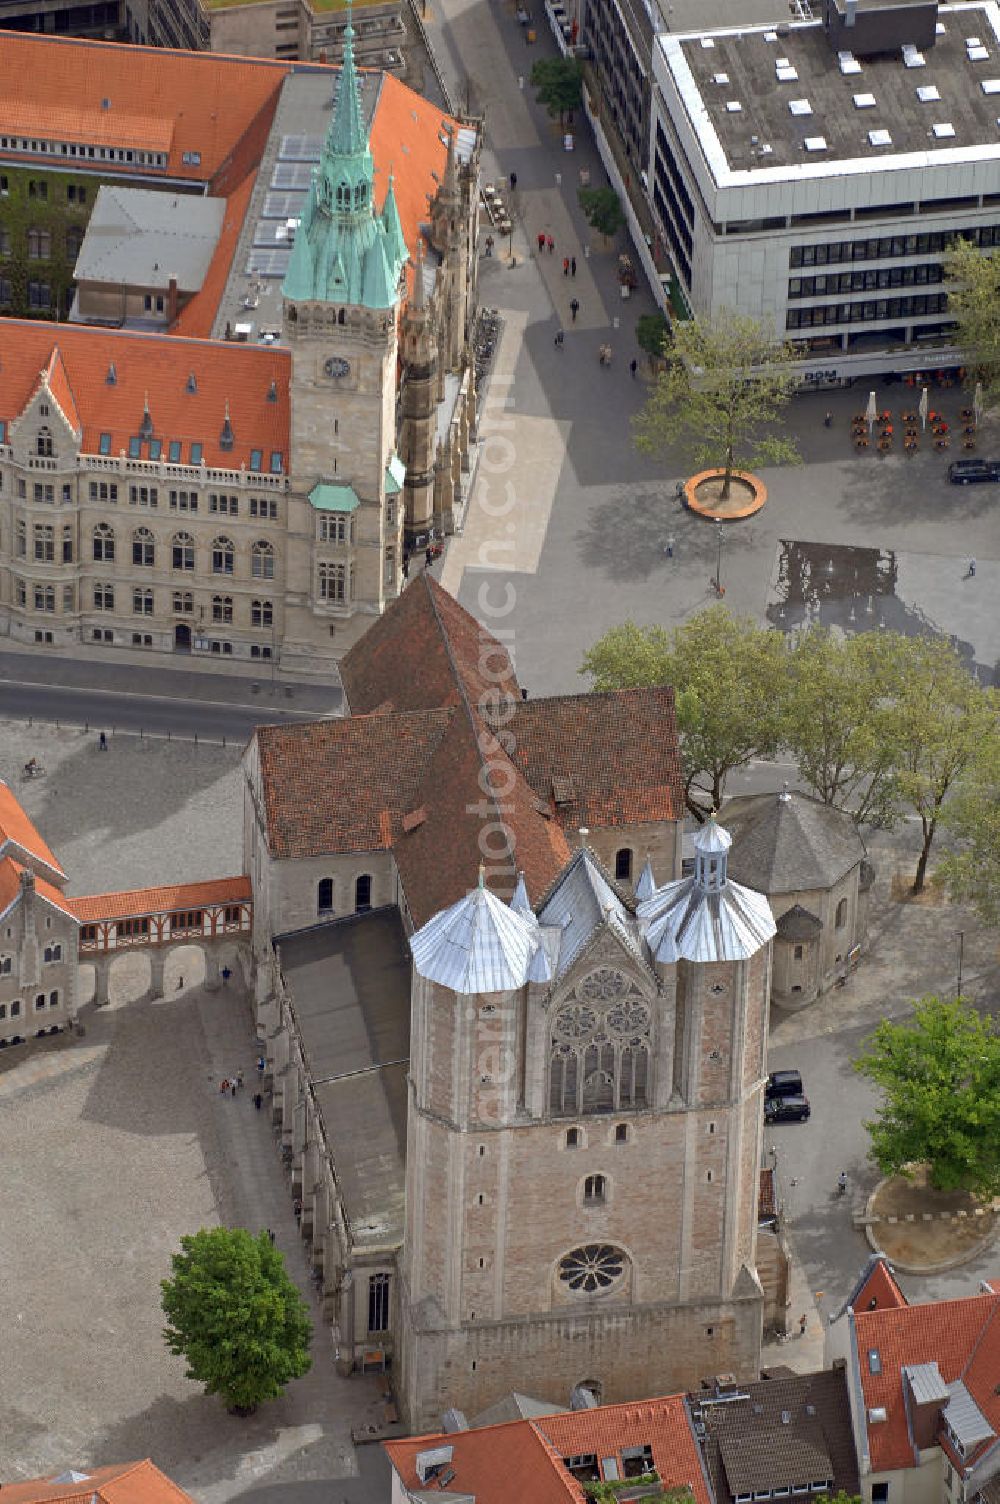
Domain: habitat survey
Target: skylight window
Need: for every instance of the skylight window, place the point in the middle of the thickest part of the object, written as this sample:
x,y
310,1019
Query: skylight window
x,y
991,85
879,138
928,94
733,107
196,453
707,42
786,74
848,63
971,42
912,57
155,449
134,447
770,36
799,107
720,78
978,55
277,462
864,101
944,130
105,444
815,143
174,454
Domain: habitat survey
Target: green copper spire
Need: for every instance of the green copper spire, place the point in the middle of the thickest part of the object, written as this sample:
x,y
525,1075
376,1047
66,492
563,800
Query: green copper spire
x,y
344,252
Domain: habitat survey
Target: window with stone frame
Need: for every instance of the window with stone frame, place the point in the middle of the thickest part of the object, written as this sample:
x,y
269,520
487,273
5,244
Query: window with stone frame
x,y
222,608
182,551
142,602
334,527
333,582
143,548
104,543
104,596
223,556
45,543
600,1047
379,1286
261,614
262,560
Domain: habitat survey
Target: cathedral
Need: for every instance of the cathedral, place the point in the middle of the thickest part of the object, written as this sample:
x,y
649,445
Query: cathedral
x,y
234,459
519,1082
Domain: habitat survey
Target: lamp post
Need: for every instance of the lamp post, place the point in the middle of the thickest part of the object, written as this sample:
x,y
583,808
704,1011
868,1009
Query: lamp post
x,y
719,534
961,957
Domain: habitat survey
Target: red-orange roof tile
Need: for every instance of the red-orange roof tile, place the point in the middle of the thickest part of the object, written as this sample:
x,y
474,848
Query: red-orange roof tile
x,y
159,365
961,1336
497,1464
406,136
197,316
144,98
170,898
18,832
62,392
661,1424
879,1291
122,1483
10,885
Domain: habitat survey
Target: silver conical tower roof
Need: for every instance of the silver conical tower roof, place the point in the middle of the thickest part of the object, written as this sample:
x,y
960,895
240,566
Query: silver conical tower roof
x,y
646,886
706,917
540,969
476,945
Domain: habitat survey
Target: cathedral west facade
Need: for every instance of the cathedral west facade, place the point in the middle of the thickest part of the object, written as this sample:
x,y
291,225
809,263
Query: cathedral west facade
x,y
523,1098
184,495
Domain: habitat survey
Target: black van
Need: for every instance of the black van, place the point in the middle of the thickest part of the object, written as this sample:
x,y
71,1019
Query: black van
x,y
973,472
786,1110
783,1084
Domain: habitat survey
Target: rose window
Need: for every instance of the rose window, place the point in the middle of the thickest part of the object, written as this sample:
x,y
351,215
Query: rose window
x,y
605,984
576,1021
628,1017
596,1266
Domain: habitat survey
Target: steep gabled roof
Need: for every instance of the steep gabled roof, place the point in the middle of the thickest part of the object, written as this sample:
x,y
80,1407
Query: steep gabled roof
x,y
422,653
961,1336
156,365
19,835
11,873
661,1424
121,1483
61,390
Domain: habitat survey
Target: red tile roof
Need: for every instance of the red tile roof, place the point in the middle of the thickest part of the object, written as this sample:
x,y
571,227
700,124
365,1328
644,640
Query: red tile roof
x,y
619,749
524,1459
62,392
406,136
146,98
122,1483
198,315
961,1336
17,832
879,1291
168,899
10,886
159,366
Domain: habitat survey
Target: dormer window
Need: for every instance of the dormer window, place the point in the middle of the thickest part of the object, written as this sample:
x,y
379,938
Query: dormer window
x,y
105,444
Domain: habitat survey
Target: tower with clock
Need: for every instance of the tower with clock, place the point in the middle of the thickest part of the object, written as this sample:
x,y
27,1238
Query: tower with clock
x,y
584,1134
341,299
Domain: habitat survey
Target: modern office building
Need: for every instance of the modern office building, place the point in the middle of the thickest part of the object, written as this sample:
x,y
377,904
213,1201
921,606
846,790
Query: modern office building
x,y
282,28
813,174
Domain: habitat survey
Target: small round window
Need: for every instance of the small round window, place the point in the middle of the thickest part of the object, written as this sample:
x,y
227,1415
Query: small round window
x,y
596,1266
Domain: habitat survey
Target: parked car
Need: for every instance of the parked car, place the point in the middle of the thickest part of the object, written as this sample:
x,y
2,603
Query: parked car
x,y
973,472
786,1110
783,1084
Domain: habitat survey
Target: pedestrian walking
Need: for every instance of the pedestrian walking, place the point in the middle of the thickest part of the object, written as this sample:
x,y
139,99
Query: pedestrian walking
x,y
232,1088
428,556
565,266
574,308
297,1209
803,1323
406,566
225,1085
239,1077
550,243
633,366
102,742
489,245
271,1236
558,341
670,546
572,266
180,984
971,569
258,1100
541,241
226,974
513,181
261,1062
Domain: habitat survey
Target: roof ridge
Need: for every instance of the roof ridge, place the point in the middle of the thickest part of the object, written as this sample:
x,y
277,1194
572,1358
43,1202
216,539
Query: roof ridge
x,y
992,1316
278,64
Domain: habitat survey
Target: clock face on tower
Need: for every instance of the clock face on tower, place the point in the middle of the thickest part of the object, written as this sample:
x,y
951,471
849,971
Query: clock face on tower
x,y
337,366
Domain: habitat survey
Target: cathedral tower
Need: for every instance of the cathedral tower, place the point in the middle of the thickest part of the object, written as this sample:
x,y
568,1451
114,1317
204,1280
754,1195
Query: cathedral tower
x,y
341,303
586,1107
419,430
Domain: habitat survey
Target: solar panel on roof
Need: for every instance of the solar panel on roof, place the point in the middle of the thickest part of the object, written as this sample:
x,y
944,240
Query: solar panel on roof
x,y
879,138
300,148
864,101
978,55
815,143
283,205
273,235
291,175
944,130
928,94
786,75
799,107
262,263
991,85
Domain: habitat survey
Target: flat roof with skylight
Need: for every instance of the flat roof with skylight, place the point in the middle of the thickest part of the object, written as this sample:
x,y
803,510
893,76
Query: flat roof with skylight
x,y
763,98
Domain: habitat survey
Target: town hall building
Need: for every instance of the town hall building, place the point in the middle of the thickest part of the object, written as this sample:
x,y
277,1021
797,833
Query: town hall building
x,y
522,1098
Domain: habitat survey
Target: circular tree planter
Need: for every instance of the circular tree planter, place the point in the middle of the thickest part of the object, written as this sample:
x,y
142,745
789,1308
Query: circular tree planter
x,y
924,1231
703,495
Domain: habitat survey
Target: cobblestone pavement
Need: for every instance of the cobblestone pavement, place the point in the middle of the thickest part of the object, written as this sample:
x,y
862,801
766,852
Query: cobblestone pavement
x,y
124,1143
144,812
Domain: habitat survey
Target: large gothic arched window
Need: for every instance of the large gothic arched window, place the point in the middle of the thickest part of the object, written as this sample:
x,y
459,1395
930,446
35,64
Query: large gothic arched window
x,y
599,1047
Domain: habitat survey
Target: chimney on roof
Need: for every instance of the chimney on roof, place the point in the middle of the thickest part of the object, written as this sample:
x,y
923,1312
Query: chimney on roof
x,y
272,391
146,426
850,13
227,438
172,301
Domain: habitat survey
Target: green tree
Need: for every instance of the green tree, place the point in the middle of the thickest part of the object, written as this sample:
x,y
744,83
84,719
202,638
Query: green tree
x,y
726,674
971,871
720,396
938,722
602,209
558,83
940,1075
652,332
236,1317
972,281
833,719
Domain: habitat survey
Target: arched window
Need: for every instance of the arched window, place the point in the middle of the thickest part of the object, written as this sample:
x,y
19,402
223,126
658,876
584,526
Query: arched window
x,y
841,918
104,543
223,556
324,896
143,548
222,608
363,894
262,560
623,865
182,551
43,444
595,1190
